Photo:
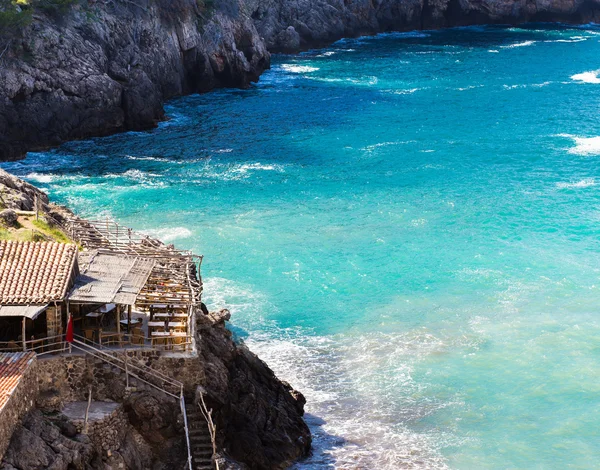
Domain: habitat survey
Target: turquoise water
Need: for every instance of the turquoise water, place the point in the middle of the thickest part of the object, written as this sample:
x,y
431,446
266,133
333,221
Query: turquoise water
x,y
406,228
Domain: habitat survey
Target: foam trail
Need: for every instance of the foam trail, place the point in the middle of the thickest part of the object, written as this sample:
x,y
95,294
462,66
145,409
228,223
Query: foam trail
x,y
584,145
587,77
584,183
298,68
170,234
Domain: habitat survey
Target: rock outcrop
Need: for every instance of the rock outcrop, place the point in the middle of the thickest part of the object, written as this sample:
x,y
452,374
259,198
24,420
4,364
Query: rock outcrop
x,y
258,418
288,25
105,66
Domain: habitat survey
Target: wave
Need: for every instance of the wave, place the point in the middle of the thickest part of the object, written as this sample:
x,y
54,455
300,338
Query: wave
x,y
584,183
470,87
519,44
169,234
587,77
326,54
359,386
41,177
234,172
150,159
572,39
298,68
370,148
584,145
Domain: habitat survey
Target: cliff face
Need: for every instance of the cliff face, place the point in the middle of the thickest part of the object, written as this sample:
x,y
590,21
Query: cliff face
x,y
289,25
108,66
258,418
105,66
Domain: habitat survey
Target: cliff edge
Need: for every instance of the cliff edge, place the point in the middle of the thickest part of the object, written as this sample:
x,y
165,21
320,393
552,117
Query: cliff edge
x,y
72,69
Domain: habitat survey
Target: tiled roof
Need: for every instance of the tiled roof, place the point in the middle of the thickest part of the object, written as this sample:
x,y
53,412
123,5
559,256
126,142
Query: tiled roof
x,y
34,272
12,368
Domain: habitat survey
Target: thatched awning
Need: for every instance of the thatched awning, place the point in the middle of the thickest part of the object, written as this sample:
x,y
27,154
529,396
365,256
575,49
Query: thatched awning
x,y
110,278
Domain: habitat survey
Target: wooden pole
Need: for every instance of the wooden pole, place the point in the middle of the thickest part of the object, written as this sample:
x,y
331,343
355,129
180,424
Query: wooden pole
x,y
24,345
87,410
129,319
118,315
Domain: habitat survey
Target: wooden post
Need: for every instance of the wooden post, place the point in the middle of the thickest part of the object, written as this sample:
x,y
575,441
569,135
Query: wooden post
x,y
126,373
68,319
129,318
24,345
118,315
87,410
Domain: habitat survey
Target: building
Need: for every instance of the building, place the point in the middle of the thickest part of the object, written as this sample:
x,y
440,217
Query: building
x,y
114,297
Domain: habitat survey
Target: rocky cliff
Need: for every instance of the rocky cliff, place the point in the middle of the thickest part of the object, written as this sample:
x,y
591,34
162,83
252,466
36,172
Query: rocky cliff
x,y
98,67
289,25
258,418
95,67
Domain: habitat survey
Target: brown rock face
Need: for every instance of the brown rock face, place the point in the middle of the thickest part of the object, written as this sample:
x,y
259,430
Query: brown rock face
x,y
106,67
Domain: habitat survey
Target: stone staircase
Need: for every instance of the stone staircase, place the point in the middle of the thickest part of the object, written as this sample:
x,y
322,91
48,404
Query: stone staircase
x,y
200,443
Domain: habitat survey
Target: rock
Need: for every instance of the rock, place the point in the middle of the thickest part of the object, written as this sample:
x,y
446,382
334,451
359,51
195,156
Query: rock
x,y
109,67
9,218
288,40
258,418
320,22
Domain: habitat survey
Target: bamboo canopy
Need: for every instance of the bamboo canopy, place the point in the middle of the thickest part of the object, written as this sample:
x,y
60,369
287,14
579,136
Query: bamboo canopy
x,y
175,277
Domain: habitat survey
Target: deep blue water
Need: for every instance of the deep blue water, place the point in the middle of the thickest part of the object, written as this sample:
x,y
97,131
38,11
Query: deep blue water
x,y
405,227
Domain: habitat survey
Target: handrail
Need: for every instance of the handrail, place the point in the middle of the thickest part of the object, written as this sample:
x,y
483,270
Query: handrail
x,y
108,358
185,427
120,363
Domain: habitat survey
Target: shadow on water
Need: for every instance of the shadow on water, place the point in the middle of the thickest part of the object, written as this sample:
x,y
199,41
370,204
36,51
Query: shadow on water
x,y
321,456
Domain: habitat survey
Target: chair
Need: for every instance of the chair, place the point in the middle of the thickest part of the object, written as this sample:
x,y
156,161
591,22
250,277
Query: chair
x,y
137,335
89,334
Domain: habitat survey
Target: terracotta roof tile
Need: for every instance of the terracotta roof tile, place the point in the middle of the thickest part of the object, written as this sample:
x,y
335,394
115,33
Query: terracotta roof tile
x,y
34,272
12,368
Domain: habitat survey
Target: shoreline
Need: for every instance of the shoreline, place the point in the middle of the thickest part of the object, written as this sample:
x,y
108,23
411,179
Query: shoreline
x,y
113,82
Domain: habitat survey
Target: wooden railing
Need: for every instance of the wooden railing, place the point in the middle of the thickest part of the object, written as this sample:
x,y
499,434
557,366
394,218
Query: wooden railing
x,y
46,345
145,374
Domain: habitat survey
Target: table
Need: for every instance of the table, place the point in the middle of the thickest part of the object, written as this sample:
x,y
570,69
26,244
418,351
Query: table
x,y
170,315
134,322
172,324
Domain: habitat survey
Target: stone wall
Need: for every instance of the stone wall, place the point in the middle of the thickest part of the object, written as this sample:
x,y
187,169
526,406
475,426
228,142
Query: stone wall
x,y
21,402
68,377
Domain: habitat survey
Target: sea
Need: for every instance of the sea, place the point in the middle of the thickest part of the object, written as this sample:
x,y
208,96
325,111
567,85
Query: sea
x,y
405,227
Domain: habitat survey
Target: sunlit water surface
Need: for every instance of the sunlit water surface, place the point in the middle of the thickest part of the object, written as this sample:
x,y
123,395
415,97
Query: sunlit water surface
x,y
404,227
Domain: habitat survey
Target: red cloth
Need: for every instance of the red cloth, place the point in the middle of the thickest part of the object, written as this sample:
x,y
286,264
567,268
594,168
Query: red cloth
x,y
70,330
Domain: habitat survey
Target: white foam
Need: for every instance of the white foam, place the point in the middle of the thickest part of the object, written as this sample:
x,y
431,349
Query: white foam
x,y
573,39
359,386
169,234
584,183
150,159
470,87
519,44
587,77
298,68
326,54
494,51
584,145
370,148
41,177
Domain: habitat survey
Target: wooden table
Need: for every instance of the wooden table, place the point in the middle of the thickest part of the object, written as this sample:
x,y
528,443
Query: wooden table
x,y
170,315
134,323
161,324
